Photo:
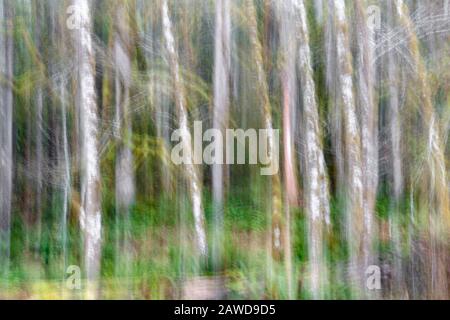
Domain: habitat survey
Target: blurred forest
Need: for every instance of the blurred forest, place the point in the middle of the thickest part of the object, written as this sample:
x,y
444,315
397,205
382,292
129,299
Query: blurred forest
x,y
91,91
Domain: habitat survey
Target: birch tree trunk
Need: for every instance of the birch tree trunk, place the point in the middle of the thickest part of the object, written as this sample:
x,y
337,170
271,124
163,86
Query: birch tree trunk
x,y
368,119
316,190
222,63
191,172
354,189
90,215
6,125
395,125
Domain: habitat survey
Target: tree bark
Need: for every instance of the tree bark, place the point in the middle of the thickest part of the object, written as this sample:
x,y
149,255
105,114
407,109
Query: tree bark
x,y
316,189
222,61
191,172
90,215
368,119
354,190
6,130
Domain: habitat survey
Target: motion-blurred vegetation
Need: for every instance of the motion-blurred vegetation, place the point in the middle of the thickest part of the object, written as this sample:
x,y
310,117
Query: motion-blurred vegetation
x,y
91,92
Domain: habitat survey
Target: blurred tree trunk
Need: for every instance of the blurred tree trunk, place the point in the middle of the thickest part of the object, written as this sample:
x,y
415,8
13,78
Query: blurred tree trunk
x,y
62,100
287,12
394,123
6,130
278,240
288,46
124,169
90,215
191,172
29,197
65,151
38,105
316,190
335,113
354,190
368,119
395,166
221,83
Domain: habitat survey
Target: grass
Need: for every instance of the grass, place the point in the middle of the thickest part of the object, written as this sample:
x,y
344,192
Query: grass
x,y
161,254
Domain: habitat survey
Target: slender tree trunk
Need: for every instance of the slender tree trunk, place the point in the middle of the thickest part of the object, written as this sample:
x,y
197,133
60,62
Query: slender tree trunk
x,y
279,236
39,123
287,19
354,189
29,189
394,125
6,125
191,171
67,171
222,61
396,179
368,119
335,114
124,173
288,44
316,190
90,216
58,90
